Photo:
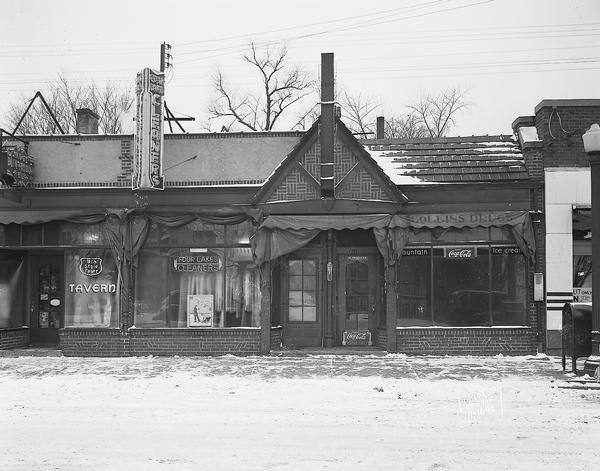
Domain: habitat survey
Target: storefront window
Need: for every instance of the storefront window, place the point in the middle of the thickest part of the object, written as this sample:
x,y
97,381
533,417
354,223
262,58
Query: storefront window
x,y
195,233
11,289
462,285
509,286
81,234
414,287
209,287
91,289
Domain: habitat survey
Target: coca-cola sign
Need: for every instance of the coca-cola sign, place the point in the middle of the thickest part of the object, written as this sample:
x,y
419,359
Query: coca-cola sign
x,y
460,252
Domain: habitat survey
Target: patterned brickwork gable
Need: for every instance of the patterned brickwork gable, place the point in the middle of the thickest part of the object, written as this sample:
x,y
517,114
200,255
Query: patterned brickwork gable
x,y
343,162
310,160
295,186
361,186
355,174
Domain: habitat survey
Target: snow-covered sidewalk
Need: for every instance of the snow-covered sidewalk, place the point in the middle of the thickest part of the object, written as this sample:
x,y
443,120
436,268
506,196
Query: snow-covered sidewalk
x,y
307,412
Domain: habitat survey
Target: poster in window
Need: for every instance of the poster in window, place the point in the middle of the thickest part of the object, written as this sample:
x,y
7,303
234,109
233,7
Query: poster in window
x,y
200,310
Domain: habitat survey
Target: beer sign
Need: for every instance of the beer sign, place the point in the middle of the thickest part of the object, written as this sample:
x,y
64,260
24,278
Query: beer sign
x,y
90,266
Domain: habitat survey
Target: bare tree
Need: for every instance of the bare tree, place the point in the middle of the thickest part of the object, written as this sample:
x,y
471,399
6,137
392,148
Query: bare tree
x,y
438,112
281,85
405,127
357,111
113,105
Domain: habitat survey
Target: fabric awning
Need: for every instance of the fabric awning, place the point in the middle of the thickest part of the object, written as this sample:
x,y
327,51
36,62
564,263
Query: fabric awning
x,y
39,217
518,223
280,235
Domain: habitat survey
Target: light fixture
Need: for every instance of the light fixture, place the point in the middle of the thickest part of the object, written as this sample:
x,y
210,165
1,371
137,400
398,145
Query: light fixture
x,y
591,139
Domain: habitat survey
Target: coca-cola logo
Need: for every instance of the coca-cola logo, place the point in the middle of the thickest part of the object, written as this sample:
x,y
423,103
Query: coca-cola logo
x,y
460,253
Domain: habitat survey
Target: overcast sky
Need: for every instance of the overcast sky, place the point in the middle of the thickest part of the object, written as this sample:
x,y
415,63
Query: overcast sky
x,y
509,54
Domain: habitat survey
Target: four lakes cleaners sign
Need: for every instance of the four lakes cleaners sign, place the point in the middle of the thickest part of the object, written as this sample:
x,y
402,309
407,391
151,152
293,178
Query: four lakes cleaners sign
x,y
192,262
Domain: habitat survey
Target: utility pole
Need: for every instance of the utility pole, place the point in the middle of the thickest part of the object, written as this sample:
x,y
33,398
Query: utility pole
x,y
165,56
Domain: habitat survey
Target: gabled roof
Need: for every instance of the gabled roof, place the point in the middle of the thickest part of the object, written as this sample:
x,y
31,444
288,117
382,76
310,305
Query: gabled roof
x,y
449,160
310,174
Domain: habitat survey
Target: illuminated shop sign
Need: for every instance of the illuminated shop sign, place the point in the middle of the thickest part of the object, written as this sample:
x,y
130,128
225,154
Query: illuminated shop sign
x,y
461,253
196,263
148,144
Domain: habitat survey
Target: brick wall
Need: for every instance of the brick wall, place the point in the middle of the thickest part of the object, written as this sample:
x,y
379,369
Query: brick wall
x,y
126,159
467,341
14,338
560,125
276,337
143,342
381,339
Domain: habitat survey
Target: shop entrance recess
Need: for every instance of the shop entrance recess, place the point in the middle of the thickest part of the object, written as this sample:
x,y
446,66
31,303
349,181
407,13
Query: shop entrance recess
x,y
357,298
46,298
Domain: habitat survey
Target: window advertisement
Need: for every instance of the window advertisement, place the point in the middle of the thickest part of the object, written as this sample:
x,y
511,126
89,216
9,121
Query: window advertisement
x,y
582,278
462,285
91,293
11,289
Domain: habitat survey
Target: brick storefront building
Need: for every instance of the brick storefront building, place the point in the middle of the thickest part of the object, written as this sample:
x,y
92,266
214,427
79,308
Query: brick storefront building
x,y
259,241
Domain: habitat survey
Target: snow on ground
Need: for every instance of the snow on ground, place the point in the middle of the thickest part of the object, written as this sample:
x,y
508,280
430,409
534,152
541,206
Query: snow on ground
x,y
294,412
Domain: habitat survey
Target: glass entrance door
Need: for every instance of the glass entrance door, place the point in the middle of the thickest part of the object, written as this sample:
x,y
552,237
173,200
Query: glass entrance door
x,y
46,298
358,299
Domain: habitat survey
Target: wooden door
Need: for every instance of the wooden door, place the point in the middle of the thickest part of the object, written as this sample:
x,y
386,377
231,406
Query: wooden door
x,y
46,299
357,297
303,325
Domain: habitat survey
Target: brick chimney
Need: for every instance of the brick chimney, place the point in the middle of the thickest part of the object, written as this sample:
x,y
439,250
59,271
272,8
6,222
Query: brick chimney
x,y
327,134
380,128
87,121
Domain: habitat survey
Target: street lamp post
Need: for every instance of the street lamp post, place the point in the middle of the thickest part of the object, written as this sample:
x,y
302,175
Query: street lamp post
x,y
591,144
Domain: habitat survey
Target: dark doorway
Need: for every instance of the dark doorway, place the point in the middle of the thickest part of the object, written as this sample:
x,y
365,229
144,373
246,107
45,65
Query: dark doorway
x,y
46,300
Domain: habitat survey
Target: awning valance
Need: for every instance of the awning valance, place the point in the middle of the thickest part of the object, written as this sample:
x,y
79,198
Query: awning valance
x,y
280,235
324,222
39,217
459,220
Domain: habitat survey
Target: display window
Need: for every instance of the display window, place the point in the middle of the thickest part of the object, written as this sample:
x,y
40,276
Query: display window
x,y
462,285
210,286
11,289
91,288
